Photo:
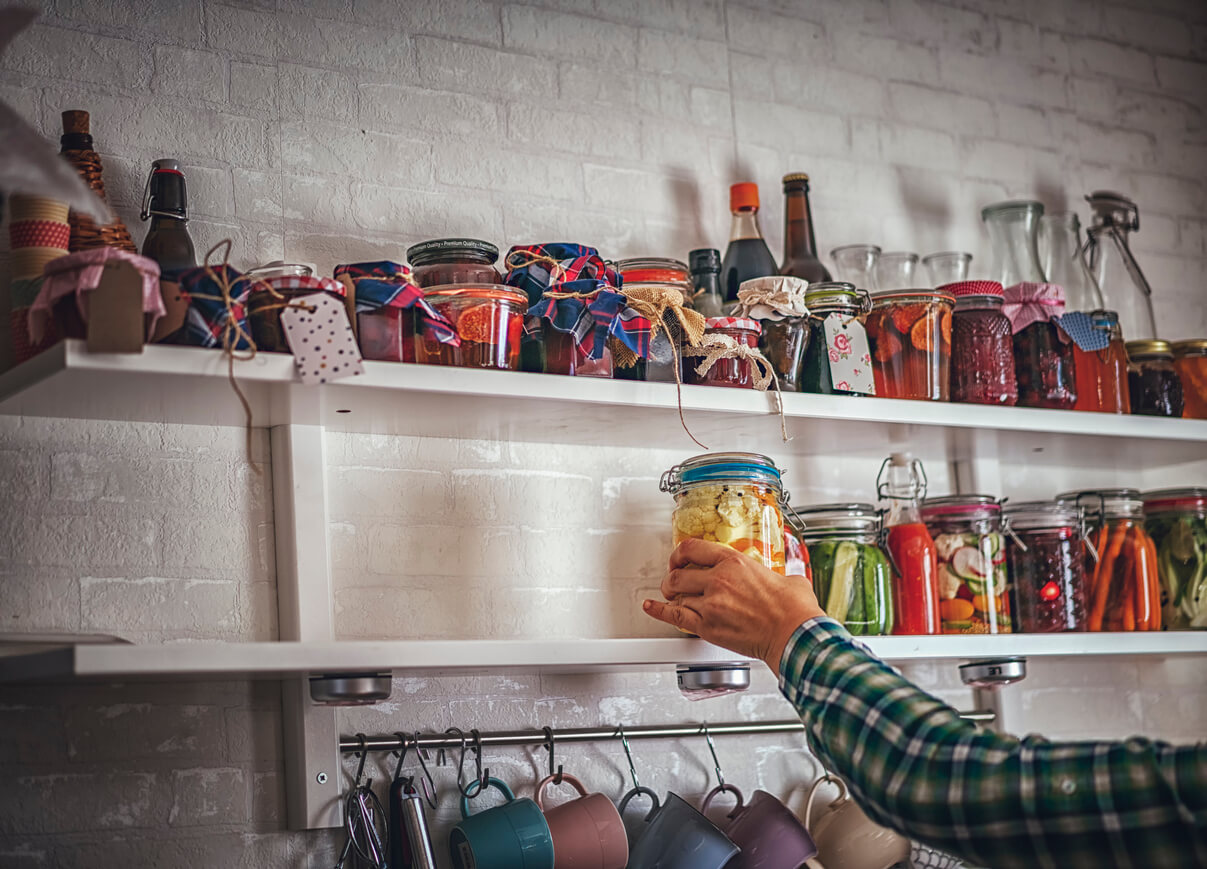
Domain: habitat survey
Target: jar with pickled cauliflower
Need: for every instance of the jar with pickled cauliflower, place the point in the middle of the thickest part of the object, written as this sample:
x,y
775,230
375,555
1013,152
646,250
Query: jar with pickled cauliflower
x,y
735,499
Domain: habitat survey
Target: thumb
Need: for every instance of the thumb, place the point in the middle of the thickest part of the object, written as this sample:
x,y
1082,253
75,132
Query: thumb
x,y
673,614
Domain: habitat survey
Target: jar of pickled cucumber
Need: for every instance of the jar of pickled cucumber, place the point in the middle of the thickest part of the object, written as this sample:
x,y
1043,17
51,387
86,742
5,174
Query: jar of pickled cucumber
x,y
851,574
736,499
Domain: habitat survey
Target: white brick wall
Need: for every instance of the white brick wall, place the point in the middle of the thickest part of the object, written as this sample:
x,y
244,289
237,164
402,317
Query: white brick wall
x,y
349,129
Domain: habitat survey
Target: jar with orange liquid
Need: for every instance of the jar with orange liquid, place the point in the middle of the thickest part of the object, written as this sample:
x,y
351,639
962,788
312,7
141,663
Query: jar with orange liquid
x,y
1190,361
911,549
910,336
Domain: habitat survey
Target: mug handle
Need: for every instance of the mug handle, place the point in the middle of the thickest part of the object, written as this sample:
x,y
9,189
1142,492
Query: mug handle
x,y
813,792
624,801
721,789
472,790
547,780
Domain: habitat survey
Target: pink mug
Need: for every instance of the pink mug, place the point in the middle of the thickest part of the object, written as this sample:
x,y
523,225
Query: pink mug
x,y
587,832
770,836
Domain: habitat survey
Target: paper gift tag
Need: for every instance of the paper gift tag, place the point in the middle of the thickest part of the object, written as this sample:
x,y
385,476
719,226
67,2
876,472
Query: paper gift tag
x,y
321,339
850,358
116,323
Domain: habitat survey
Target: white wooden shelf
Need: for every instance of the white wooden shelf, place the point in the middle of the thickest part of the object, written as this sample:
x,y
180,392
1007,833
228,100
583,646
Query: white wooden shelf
x,y
276,660
189,385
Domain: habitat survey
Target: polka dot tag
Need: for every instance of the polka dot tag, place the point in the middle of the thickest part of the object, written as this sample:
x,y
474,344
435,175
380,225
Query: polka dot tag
x,y
323,345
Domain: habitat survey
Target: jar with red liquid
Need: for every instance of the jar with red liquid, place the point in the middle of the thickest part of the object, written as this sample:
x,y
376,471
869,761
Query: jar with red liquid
x,y
488,319
910,335
736,372
1190,362
911,549
982,346
974,595
445,261
560,354
657,274
1046,554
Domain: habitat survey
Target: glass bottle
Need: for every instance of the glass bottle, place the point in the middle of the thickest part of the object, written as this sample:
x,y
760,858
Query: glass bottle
x,y
1060,235
747,255
165,203
948,267
705,265
856,264
902,482
1123,285
800,245
896,270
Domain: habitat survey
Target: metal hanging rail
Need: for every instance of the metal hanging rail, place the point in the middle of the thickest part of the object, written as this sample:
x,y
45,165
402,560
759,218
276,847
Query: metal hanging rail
x,y
455,739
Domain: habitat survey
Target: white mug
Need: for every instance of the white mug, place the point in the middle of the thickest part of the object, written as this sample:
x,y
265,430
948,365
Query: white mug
x,y
846,838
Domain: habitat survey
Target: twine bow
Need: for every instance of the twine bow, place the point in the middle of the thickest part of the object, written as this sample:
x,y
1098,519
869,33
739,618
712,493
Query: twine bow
x,y
522,259
773,299
717,347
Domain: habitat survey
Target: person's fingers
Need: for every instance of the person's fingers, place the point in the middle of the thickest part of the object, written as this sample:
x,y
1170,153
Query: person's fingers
x,y
700,553
674,614
685,580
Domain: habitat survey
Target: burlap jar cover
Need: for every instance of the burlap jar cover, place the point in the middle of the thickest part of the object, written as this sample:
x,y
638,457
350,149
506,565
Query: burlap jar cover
x,y
715,347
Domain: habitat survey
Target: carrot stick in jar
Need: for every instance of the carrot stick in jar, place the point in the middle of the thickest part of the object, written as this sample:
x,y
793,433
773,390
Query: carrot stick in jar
x,y
1121,608
1104,575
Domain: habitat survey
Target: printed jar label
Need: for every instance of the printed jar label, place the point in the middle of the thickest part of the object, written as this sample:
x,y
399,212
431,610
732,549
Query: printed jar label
x,y
321,338
850,358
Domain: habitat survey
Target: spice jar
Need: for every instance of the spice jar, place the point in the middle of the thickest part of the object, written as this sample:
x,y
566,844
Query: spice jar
x,y
910,333
1190,361
732,498
1124,592
851,574
486,322
1046,554
1151,379
974,596
735,371
273,286
657,274
845,368
446,261
982,347
1176,519
778,304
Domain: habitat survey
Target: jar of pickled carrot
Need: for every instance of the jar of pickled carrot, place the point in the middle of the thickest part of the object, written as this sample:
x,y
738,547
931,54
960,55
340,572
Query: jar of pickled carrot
x,y
1124,587
910,336
1190,361
736,499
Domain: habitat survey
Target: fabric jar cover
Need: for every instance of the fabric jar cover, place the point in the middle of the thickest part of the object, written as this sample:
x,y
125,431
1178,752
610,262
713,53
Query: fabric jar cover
x,y
961,289
81,272
778,297
386,284
534,268
590,311
209,315
1030,302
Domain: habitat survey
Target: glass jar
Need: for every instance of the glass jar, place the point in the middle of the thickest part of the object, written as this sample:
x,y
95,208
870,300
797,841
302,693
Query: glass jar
x,y
1044,367
796,556
488,319
856,264
1152,380
778,303
269,291
851,574
665,274
1190,361
1046,554
560,354
387,334
982,347
910,335
1124,586
445,261
895,270
736,499
1176,519
825,300
737,373
1102,374
948,267
974,595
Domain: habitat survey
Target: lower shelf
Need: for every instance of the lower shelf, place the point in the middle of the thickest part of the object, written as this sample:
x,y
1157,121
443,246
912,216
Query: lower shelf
x,y
275,660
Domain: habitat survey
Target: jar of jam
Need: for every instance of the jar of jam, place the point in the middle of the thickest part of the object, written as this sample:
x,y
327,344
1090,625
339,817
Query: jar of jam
x,y
445,261
1044,367
974,596
1124,585
1176,519
1190,361
271,287
1152,380
982,347
851,574
847,305
1046,554
910,334
657,274
487,318
735,371
560,354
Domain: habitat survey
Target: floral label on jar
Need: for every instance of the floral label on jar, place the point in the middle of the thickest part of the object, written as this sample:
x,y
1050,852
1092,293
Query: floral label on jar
x,y
850,358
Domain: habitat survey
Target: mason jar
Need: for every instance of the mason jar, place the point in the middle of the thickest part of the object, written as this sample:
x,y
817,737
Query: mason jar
x,y
1046,555
974,595
852,577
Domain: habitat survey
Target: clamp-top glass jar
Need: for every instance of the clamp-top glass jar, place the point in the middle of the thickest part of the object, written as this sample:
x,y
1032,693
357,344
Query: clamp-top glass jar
x,y
736,499
1177,521
851,574
910,333
1045,550
847,305
1124,587
974,596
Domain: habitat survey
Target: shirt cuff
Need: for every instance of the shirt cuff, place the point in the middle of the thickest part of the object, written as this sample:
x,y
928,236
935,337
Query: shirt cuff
x,y
797,652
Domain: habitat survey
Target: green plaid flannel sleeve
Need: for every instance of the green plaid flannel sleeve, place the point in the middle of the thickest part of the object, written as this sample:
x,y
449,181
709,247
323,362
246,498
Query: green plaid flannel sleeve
x,y
914,765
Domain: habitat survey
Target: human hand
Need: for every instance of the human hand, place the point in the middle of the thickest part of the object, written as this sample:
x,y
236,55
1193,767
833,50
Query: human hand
x,y
733,601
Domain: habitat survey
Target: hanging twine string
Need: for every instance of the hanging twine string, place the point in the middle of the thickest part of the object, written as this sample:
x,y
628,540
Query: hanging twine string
x,y
717,347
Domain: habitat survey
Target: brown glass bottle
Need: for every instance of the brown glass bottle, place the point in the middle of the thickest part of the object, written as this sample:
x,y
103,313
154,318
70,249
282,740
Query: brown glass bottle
x,y
800,245
166,204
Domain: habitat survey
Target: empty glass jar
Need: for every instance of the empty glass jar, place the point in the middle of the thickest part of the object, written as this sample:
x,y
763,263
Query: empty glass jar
x,y
895,270
856,264
948,267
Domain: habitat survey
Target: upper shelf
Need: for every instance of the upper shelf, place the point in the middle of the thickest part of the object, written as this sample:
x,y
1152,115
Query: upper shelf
x,y
190,385
211,660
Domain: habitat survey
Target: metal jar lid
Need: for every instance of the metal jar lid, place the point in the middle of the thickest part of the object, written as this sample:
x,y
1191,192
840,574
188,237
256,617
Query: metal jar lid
x,y
1029,515
1186,499
452,250
1149,349
1192,347
278,269
966,507
832,520
722,468
1104,503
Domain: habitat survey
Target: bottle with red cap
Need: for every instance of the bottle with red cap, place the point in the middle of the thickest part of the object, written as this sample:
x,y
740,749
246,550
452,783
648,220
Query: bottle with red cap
x,y
747,256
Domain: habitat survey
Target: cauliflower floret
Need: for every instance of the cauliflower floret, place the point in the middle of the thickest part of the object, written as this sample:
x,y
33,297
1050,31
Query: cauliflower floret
x,y
947,544
738,509
949,583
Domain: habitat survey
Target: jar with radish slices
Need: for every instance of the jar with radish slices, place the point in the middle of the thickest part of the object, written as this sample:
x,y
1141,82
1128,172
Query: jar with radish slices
x,y
974,594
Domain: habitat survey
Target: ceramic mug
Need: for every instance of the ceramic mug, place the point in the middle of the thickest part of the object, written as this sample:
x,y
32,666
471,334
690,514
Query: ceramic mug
x,y
676,836
769,834
847,838
514,835
587,832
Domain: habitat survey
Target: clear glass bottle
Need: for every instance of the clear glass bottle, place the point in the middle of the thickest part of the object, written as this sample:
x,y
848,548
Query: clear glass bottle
x,y
800,244
948,267
896,270
902,483
1124,287
1060,237
707,298
747,255
856,264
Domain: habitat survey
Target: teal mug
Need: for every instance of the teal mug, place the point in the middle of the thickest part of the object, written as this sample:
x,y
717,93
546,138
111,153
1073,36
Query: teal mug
x,y
514,835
